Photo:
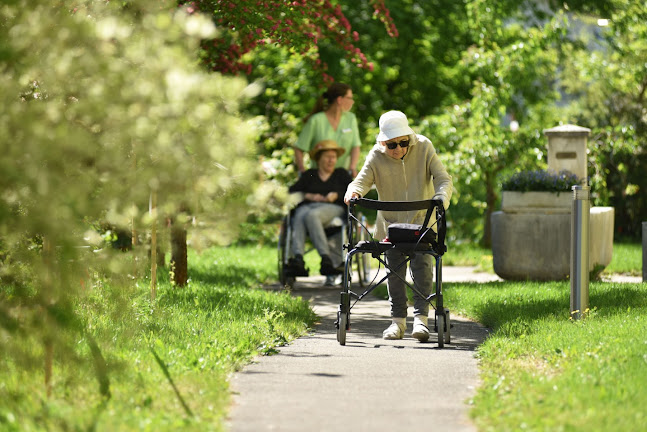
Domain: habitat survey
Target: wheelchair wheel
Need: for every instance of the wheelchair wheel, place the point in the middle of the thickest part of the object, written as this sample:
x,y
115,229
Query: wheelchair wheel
x,y
282,259
289,282
440,328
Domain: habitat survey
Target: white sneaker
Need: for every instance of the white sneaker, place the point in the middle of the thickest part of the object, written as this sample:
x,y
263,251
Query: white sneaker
x,y
395,330
420,328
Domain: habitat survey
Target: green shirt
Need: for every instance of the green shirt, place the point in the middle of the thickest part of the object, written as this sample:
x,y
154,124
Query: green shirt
x,y
318,128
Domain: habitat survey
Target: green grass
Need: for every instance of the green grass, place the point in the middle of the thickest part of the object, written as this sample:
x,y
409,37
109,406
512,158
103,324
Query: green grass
x,y
542,371
202,333
469,254
539,370
626,259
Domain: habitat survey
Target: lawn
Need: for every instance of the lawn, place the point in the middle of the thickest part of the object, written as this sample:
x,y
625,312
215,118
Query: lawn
x,y
626,259
541,371
169,361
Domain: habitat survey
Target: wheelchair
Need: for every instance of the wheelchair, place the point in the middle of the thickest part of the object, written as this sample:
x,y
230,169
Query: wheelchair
x,y
336,232
429,242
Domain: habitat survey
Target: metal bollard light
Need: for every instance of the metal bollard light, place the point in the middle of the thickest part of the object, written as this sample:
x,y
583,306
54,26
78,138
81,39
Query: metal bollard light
x,y
644,251
580,251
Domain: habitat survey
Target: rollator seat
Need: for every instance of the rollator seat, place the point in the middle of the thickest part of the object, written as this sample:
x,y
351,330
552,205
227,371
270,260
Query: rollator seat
x,y
372,246
380,247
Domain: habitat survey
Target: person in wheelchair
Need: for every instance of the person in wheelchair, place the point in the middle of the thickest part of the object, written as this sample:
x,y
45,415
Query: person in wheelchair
x,y
403,166
323,191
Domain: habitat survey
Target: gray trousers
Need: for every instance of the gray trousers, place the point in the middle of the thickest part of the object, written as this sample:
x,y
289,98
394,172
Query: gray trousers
x,y
311,219
422,271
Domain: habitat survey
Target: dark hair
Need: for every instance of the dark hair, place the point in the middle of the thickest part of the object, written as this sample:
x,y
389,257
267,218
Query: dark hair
x,y
334,91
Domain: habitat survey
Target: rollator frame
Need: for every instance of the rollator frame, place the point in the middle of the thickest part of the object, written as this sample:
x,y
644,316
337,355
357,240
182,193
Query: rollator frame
x,y
434,218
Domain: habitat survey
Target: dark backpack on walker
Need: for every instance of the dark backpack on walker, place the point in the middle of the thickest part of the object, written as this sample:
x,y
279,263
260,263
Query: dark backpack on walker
x,y
412,233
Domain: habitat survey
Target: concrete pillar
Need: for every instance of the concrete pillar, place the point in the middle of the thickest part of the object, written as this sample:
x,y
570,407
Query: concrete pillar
x,y
580,251
567,149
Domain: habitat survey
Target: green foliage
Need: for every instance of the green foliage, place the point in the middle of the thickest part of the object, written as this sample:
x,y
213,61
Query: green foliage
x,y
469,69
540,181
104,104
298,25
604,77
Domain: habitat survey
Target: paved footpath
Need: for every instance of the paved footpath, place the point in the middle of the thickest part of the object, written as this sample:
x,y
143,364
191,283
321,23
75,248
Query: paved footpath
x,y
314,384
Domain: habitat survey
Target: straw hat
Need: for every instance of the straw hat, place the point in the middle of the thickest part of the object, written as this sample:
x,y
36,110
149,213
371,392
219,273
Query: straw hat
x,y
393,124
324,145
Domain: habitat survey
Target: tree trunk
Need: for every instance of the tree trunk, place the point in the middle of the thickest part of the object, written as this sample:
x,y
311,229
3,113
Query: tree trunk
x,y
490,203
179,264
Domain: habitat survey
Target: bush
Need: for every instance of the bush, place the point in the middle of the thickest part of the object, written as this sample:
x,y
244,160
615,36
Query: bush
x,y
540,181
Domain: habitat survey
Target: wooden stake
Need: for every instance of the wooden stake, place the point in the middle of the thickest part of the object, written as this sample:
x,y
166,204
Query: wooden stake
x,y
46,287
153,213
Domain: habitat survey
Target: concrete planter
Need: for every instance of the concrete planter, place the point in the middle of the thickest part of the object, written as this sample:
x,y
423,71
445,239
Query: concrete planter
x,y
536,245
531,236
546,202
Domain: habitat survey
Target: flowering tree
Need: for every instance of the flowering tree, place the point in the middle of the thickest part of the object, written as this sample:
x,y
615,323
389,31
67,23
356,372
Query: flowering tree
x,y
297,24
103,107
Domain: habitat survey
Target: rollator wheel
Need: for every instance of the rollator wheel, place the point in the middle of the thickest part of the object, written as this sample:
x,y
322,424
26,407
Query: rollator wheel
x,y
448,322
363,259
342,321
343,318
440,324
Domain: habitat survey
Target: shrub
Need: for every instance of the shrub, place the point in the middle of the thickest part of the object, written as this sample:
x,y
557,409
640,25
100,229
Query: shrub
x,y
540,181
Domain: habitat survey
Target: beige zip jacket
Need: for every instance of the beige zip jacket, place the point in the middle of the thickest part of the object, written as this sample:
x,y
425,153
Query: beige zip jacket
x,y
419,175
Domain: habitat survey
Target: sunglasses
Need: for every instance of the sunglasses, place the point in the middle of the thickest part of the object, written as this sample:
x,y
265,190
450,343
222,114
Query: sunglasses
x,y
394,145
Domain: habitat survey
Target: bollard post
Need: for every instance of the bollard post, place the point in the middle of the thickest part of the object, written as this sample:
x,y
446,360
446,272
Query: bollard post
x,y
644,251
580,251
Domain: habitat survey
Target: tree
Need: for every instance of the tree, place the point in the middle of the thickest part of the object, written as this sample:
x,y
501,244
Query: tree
x,y
101,106
606,84
295,24
511,68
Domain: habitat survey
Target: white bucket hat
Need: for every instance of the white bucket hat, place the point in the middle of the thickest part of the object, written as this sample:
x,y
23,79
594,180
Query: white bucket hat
x,y
393,124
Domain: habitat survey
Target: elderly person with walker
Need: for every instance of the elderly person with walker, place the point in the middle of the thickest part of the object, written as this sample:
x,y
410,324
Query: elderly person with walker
x,y
403,166
323,191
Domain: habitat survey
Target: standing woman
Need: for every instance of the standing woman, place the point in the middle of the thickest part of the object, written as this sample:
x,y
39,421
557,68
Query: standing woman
x,y
331,119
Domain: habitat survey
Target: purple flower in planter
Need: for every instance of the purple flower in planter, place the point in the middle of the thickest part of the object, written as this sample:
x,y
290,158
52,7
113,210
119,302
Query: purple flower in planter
x,y
540,181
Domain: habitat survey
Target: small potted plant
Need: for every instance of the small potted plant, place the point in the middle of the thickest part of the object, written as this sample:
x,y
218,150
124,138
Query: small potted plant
x,y
538,189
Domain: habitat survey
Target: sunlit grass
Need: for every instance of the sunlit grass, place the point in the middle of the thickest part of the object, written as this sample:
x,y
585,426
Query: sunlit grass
x,y
202,333
626,259
542,371
469,254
